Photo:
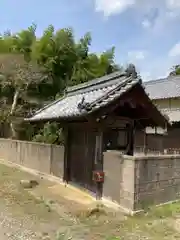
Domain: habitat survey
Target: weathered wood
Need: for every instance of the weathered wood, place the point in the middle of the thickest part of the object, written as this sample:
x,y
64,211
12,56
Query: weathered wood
x,y
86,139
81,159
99,161
102,123
139,104
66,155
145,143
131,140
113,135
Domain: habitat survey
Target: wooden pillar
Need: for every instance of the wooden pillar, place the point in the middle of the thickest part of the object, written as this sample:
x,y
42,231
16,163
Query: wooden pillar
x,y
66,165
161,143
99,161
131,140
145,143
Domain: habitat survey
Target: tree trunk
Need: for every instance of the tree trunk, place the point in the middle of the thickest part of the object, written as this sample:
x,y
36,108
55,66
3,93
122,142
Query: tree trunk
x,y
14,104
13,131
13,109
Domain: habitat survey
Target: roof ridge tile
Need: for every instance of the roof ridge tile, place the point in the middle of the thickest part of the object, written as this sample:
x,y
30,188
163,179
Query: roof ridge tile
x,y
95,82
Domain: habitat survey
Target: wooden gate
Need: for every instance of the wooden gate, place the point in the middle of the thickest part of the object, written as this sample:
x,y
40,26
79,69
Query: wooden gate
x,y
81,157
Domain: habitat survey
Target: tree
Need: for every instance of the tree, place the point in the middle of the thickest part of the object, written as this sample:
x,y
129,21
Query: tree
x,y
55,53
51,133
68,62
23,41
175,70
93,66
17,75
35,70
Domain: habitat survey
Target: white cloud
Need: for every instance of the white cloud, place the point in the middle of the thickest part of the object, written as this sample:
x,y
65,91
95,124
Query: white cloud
x,y
173,4
110,7
159,18
166,10
156,66
175,50
136,55
146,23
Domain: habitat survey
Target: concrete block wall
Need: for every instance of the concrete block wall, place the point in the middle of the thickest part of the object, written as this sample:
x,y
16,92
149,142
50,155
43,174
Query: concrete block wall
x,y
119,179
157,180
45,158
136,182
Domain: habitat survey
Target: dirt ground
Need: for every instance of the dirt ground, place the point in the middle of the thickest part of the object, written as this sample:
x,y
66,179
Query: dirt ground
x,y
48,212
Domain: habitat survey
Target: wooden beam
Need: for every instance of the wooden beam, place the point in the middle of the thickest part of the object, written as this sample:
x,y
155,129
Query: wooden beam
x,y
145,143
66,155
99,161
131,139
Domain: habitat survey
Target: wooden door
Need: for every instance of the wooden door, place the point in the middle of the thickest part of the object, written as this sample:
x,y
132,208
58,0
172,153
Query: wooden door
x,y
81,157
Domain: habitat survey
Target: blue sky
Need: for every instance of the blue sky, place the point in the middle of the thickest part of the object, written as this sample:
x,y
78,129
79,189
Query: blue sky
x,y
145,32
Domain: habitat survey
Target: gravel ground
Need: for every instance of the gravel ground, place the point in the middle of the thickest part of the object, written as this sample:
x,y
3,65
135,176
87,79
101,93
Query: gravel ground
x,y
22,216
15,227
39,213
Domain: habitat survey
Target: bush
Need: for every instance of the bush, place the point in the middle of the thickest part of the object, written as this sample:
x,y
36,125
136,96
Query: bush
x,y
52,133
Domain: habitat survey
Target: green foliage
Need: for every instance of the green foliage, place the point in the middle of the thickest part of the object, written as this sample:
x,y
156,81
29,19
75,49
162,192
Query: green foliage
x,y
51,133
37,70
24,40
175,70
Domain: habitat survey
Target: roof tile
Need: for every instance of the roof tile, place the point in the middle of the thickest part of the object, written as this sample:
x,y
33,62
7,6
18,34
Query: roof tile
x,y
163,88
96,93
173,114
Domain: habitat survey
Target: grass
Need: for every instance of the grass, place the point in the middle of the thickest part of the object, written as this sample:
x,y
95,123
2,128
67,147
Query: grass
x,y
42,217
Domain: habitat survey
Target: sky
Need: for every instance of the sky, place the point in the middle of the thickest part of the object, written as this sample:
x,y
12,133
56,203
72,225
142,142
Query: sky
x,y
144,32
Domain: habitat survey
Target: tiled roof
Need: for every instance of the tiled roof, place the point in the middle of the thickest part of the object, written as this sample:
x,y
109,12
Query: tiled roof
x,y
173,114
163,88
85,98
